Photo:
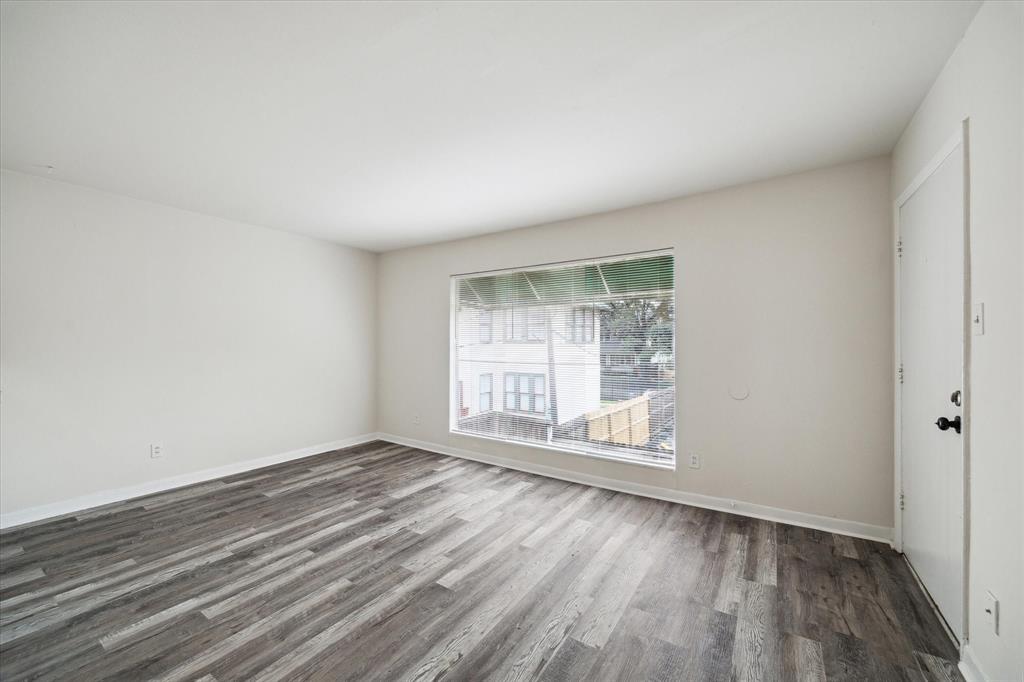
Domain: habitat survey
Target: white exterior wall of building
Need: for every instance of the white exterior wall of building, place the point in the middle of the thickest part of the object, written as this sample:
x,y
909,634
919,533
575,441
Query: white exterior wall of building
x,y
578,373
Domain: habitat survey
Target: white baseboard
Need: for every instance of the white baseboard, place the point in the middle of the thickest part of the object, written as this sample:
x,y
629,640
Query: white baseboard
x,y
104,497
795,518
78,504
969,667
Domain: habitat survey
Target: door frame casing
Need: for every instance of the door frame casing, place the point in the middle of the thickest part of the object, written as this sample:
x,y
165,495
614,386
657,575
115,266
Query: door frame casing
x,y
959,139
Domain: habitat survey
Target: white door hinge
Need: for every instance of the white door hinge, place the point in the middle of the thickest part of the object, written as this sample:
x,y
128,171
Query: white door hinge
x,y
899,373
902,505
899,249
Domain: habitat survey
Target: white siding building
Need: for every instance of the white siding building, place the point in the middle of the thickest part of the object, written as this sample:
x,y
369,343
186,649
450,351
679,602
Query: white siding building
x,y
506,358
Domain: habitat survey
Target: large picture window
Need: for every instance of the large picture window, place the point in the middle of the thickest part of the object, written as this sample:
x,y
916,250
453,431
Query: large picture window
x,y
582,357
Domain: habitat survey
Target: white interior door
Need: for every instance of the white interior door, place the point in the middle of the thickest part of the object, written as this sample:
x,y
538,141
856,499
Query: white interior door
x,y
931,231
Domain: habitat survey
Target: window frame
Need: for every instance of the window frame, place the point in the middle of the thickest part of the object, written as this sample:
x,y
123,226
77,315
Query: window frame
x,y
529,326
487,314
489,392
531,392
499,336
581,332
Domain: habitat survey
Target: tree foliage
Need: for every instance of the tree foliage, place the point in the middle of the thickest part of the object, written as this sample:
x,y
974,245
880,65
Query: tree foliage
x,y
641,327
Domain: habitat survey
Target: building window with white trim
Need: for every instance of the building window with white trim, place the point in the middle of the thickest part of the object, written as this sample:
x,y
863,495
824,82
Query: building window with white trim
x,y
486,392
486,326
525,393
581,324
525,325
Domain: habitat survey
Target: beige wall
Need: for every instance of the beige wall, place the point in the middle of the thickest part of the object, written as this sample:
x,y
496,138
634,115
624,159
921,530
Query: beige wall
x,y
784,286
984,81
124,323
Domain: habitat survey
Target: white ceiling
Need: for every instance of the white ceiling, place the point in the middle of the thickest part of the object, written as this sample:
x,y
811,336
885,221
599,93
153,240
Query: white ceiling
x,y
384,125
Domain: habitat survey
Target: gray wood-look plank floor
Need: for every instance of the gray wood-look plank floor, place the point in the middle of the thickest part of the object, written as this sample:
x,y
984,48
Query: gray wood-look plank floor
x,y
386,562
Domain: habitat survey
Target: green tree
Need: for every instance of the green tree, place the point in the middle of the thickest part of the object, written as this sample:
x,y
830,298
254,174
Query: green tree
x,y
641,327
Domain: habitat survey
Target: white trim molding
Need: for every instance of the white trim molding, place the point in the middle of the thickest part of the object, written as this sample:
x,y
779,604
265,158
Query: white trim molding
x,y
104,497
969,667
757,511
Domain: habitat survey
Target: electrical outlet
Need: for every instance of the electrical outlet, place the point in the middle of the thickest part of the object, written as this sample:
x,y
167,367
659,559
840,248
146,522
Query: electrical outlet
x,y
156,451
416,419
991,606
694,460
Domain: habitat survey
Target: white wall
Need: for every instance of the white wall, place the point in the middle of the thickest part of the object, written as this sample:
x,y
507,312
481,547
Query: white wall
x,y
784,286
124,323
984,81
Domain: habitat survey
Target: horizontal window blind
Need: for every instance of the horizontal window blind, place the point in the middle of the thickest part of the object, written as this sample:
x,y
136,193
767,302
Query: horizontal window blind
x,y
581,356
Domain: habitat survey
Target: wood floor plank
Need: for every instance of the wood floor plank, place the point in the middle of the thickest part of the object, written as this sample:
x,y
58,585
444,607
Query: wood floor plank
x,y
480,559
562,517
757,650
446,654
388,562
935,669
730,586
315,479
596,624
27,575
572,661
496,501
137,629
528,634
194,665
801,660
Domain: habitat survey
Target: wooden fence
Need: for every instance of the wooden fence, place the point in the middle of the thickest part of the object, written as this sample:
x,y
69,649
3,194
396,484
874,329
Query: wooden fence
x,y
627,422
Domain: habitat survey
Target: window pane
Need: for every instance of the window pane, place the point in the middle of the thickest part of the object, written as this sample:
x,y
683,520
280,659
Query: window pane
x,y
538,384
519,324
485,326
538,405
538,324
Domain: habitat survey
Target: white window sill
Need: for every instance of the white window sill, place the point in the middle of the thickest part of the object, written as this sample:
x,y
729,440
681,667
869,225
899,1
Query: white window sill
x,y
637,461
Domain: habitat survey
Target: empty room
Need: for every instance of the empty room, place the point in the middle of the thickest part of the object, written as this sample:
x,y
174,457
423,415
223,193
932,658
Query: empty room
x,y
512,340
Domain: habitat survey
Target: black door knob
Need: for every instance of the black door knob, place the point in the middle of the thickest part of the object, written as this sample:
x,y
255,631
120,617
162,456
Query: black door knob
x,y
944,423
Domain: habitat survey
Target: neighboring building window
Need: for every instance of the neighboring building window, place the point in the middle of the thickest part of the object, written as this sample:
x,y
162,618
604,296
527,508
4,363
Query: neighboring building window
x,y
576,356
525,393
525,324
581,324
536,325
486,392
486,326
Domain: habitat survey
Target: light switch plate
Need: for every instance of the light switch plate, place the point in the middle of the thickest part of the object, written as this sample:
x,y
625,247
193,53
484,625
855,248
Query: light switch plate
x,y
978,319
991,606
